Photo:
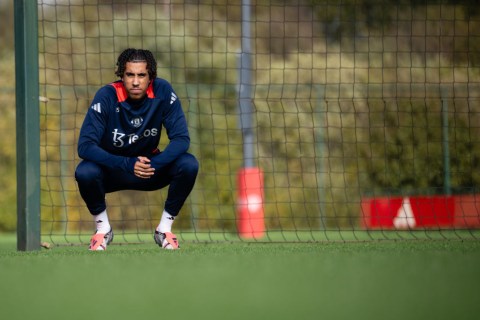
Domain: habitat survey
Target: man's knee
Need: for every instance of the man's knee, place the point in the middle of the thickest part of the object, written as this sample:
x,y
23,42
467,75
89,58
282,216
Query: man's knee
x,y
87,171
188,164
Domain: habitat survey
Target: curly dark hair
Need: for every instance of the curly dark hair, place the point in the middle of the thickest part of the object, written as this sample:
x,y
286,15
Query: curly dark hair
x,y
131,54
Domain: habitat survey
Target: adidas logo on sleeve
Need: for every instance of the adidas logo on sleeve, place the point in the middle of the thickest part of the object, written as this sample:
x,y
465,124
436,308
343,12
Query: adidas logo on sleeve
x,y
173,98
97,107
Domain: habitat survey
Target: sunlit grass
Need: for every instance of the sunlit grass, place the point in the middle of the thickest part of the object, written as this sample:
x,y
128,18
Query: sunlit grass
x,y
235,280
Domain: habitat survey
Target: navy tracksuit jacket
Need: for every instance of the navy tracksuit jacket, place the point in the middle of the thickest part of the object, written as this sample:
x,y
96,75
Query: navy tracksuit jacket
x,y
115,132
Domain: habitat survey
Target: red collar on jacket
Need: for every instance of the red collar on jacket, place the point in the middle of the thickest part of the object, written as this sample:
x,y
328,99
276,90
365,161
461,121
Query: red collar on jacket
x,y
122,92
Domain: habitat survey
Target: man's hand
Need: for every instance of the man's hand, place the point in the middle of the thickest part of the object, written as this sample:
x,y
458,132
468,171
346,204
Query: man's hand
x,y
143,168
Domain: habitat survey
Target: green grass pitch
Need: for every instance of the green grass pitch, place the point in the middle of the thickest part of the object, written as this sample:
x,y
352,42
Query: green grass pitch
x,y
328,280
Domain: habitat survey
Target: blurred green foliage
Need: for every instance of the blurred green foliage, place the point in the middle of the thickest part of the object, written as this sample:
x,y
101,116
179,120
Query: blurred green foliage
x,y
7,120
348,99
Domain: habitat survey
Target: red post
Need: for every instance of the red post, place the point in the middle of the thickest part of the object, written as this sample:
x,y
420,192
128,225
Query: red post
x,y
251,222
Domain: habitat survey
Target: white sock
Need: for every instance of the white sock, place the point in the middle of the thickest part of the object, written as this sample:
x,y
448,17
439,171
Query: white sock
x,y
101,222
166,222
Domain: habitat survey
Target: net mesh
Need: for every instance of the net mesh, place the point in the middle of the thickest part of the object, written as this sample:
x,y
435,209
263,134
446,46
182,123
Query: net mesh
x,y
366,115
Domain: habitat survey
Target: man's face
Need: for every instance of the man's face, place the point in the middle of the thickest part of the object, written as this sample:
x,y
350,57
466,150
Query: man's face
x,y
136,79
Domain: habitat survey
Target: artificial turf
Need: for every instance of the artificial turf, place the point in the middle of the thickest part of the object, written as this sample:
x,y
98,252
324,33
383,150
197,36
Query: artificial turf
x,y
327,280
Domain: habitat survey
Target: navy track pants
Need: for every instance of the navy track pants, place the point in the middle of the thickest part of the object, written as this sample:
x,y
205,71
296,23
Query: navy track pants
x,y
94,181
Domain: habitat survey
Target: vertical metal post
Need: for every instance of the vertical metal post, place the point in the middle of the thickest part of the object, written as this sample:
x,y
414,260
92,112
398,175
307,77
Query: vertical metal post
x,y
245,90
250,200
27,124
446,148
319,118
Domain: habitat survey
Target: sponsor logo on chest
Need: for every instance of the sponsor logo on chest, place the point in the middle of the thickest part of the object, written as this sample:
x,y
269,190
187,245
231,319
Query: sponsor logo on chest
x,y
136,122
